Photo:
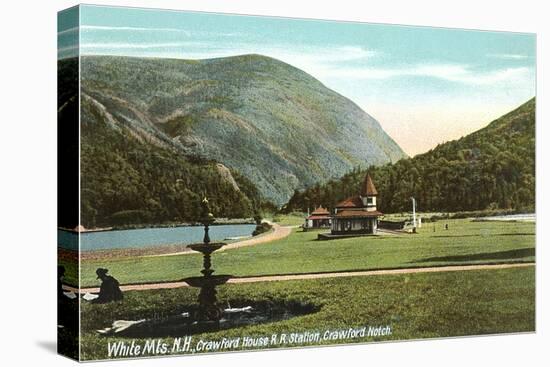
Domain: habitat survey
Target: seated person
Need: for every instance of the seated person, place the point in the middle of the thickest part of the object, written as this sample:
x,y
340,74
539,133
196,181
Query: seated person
x,y
109,290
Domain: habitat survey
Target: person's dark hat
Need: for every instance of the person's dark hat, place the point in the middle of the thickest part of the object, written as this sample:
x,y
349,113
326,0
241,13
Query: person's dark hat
x,y
101,272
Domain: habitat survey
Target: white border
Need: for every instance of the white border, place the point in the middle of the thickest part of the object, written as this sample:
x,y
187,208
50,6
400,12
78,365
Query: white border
x,y
28,152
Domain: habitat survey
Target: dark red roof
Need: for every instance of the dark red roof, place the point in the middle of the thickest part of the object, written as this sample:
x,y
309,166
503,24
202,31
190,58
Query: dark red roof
x,y
368,188
358,214
320,211
353,202
318,217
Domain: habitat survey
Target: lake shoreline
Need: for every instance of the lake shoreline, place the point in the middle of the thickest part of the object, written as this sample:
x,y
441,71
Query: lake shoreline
x,y
108,254
218,222
276,232
148,241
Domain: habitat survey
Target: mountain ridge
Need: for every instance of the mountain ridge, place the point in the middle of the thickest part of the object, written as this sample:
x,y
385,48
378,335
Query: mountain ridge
x,y
491,168
270,121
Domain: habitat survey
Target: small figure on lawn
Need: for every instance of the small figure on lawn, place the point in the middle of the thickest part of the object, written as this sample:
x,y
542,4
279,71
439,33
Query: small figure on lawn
x,y
109,290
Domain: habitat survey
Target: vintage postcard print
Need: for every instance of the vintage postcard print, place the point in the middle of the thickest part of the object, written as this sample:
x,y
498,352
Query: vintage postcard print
x,y
234,183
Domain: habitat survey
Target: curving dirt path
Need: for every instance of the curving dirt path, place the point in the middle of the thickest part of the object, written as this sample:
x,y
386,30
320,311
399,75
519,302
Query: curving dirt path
x,y
270,278
277,232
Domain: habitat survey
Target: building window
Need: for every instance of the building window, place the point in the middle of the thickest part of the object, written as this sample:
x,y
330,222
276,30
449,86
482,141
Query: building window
x,y
369,201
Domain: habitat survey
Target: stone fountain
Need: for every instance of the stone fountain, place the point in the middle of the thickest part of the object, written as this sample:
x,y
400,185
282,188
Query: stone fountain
x,y
207,315
208,309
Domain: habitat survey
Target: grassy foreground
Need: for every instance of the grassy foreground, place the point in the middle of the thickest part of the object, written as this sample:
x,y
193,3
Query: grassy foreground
x,y
465,242
414,306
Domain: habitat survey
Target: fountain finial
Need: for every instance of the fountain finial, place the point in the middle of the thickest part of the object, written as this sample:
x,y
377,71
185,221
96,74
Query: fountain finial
x,y
207,219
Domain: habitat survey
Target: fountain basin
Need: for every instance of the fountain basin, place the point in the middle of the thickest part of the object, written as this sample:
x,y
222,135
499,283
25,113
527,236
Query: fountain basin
x,y
206,248
240,313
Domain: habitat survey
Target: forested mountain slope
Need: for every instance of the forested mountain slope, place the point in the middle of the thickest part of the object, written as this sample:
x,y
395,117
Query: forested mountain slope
x,y
491,168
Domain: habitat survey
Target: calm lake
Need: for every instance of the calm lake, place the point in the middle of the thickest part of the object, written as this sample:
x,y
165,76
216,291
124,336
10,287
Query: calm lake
x,y
148,237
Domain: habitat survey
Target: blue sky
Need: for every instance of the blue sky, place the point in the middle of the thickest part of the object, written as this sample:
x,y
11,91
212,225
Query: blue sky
x,y
425,85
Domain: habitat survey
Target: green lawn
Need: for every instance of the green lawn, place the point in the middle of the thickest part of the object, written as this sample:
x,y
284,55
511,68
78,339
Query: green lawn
x,y
465,242
292,219
423,305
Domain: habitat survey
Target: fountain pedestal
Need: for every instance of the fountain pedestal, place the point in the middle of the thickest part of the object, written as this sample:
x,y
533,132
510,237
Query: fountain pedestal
x,y
208,310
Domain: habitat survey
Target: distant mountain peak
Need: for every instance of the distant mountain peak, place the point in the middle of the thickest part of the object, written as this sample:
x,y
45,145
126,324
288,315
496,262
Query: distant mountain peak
x,y
273,123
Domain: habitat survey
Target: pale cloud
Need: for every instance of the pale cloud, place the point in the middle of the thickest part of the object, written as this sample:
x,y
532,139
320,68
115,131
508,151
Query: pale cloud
x,y
316,60
508,56
118,29
448,72
319,61
323,62
145,46
68,48
176,31
417,119
67,31
311,54
136,29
